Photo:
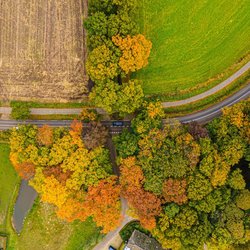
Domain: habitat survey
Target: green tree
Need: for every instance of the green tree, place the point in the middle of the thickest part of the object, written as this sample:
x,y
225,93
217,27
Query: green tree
x,y
243,199
121,24
124,99
102,64
105,95
199,186
236,180
126,144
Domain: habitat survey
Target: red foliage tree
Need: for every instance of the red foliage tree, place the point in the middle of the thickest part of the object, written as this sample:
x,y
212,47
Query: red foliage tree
x,y
175,191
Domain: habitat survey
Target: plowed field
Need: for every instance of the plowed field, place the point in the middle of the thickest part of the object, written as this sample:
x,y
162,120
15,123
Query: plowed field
x,y
42,49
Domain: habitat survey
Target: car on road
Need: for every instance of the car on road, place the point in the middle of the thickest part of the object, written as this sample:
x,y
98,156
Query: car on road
x,y
117,123
111,248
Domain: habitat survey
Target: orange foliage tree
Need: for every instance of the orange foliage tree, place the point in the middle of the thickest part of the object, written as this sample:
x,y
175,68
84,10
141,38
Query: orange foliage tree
x,y
45,135
103,200
146,204
25,170
135,52
175,191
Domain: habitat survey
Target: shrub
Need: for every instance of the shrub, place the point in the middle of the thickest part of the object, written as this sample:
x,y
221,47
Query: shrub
x,y
20,110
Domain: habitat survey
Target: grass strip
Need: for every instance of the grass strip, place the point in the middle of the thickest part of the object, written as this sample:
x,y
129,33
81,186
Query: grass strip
x,y
52,105
226,92
177,95
53,117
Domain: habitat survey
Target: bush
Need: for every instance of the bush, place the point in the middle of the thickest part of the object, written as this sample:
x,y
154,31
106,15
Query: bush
x,y
20,111
4,136
127,231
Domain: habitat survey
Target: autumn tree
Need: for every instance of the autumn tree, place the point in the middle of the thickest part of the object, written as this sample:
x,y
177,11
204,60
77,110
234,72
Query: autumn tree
x,y
88,115
45,135
95,135
175,191
145,204
197,131
77,180
135,52
231,132
201,191
172,148
25,170
104,202
149,117
102,64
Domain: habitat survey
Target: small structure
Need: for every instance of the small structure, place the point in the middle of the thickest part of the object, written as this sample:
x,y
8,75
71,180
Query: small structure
x,y
140,241
3,242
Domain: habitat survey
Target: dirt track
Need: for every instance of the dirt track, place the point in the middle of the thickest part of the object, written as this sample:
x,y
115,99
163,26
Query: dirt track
x,y
42,49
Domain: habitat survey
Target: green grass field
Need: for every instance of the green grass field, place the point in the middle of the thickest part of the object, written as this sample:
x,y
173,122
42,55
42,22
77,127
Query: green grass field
x,y
196,44
44,231
8,182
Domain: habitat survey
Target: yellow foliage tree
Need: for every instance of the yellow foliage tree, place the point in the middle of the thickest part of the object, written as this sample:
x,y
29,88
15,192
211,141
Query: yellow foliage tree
x,y
54,192
135,52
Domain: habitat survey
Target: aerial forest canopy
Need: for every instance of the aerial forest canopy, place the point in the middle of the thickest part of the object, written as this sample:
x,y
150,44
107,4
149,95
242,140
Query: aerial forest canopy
x,y
70,169
116,50
182,181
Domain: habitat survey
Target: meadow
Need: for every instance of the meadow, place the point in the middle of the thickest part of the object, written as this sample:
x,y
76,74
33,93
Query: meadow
x,y
8,183
196,44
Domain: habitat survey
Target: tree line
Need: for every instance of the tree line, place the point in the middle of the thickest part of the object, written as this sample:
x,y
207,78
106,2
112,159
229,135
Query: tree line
x,y
117,49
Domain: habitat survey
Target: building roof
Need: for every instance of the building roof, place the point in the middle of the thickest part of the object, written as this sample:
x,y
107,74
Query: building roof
x,y
140,241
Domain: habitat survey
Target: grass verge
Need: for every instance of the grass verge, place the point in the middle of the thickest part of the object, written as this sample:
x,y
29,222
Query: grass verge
x,y
8,182
44,231
52,105
53,117
210,100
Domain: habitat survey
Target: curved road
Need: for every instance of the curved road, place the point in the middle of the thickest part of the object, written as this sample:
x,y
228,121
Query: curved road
x,y
201,116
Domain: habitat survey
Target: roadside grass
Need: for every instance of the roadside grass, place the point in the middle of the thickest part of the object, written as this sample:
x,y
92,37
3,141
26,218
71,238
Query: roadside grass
x,y
226,92
52,105
44,231
8,181
53,117
196,44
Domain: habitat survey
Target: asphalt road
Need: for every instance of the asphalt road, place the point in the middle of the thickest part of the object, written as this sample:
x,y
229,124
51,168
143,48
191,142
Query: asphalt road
x,y
215,111
201,117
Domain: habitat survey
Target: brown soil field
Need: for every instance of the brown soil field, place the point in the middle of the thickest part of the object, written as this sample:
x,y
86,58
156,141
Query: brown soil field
x,y
42,50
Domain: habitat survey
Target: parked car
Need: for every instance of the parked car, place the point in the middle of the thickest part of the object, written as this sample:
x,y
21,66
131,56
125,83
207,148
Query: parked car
x,y
111,248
